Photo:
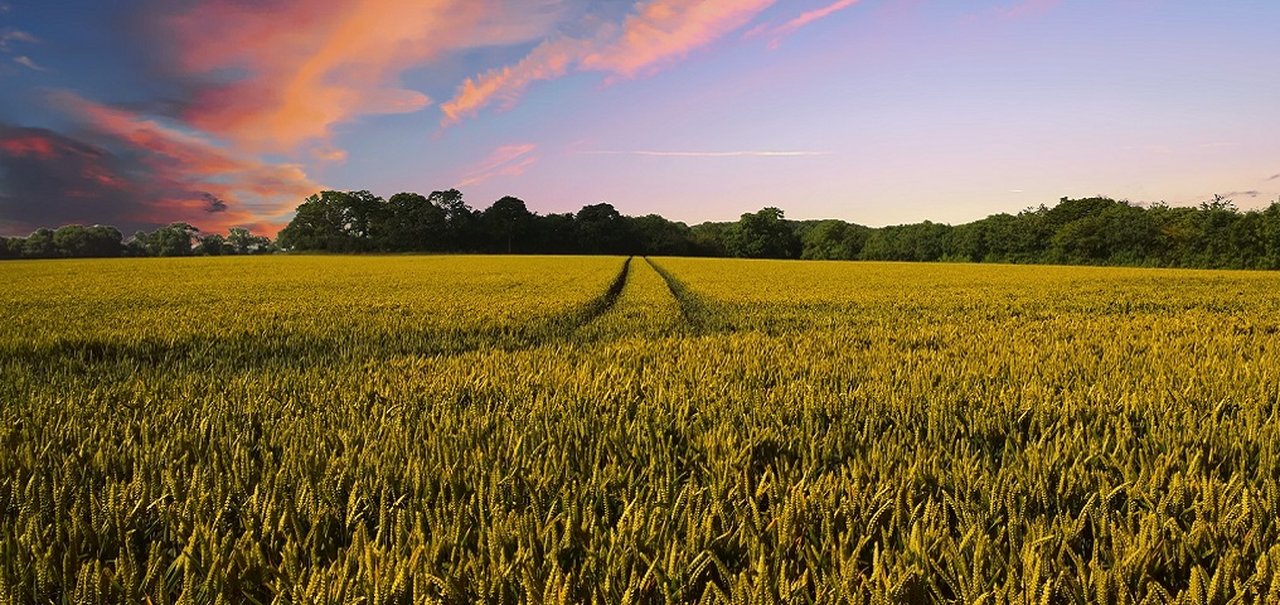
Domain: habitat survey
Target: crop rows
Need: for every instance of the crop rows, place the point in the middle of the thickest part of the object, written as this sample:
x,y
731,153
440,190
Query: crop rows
x,y
554,430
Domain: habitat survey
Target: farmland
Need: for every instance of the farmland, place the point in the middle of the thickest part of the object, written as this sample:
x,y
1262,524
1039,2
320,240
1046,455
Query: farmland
x,y
573,429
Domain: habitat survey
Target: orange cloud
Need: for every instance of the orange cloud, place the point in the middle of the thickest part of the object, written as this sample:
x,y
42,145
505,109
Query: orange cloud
x,y
655,34
508,160
790,27
549,60
302,67
665,30
183,171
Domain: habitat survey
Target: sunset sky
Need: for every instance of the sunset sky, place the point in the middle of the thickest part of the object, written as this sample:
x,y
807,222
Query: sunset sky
x,y
229,112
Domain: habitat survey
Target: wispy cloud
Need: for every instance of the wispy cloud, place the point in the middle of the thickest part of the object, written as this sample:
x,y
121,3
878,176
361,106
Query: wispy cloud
x,y
776,34
507,160
26,62
1026,8
656,34
712,154
10,36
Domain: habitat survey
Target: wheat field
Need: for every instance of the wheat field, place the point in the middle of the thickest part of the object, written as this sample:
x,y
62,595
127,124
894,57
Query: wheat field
x,y
416,429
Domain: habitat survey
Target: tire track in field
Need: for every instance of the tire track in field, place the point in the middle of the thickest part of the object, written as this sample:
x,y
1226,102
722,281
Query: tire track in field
x,y
692,307
598,306
645,309
257,350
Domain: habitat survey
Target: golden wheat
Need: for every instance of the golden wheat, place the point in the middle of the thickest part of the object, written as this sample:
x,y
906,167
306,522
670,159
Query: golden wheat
x,y
520,429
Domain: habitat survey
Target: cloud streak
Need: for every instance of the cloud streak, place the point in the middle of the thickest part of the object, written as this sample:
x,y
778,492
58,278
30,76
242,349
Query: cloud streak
x,y
507,160
10,36
28,63
777,34
655,34
712,154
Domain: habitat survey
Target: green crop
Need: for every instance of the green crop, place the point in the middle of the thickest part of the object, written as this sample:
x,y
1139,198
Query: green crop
x,y
524,429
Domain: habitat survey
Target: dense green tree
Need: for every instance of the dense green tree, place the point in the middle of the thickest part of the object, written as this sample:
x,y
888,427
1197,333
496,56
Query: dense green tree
x,y
213,244
603,230
556,234
322,222
87,242
763,234
709,239
658,236
459,232
364,212
242,241
175,239
1080,231
925,241
40,244
412,223
11,247
834,240
507,225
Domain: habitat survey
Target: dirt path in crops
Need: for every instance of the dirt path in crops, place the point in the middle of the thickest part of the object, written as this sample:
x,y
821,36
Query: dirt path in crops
x,y
692,308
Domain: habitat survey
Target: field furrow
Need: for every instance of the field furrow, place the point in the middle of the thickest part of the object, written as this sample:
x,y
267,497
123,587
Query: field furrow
x,y
645,308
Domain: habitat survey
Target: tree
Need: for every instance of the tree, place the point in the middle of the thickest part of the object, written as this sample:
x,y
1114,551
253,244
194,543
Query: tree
x,y
556,234
363,213
603,230
212,244
834,240
241,241
763,234
413,223
87,242
710,239
459,220
322,222
136,246
11,247
655,235
105,241
507,225
176,239
40,245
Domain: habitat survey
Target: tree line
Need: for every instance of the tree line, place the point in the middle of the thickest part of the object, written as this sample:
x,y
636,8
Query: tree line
x,y
1098,231
103,241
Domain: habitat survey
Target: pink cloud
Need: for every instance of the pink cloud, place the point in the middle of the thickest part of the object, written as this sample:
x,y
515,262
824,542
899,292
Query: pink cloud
x,y
793,25
655,34
180,171
661,31
29,144
549,60
507,160
308,66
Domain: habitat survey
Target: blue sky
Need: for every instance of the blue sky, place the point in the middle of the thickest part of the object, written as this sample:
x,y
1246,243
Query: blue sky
x,y
876,111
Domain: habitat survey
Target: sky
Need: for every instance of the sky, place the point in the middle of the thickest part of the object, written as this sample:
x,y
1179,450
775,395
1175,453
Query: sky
x,y
226,113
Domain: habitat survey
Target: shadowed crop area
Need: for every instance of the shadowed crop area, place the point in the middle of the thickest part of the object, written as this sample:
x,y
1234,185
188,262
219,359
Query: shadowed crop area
x,y
413,429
